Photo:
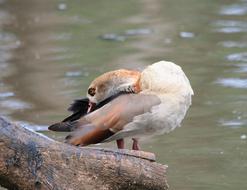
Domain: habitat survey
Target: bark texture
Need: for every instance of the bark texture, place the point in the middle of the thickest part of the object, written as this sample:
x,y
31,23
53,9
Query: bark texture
x,y
29,160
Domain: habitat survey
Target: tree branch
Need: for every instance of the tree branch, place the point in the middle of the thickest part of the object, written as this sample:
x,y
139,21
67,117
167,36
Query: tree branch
x,y
29,160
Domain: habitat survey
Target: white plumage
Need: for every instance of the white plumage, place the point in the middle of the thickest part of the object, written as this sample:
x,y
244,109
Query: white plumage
x,y
167,81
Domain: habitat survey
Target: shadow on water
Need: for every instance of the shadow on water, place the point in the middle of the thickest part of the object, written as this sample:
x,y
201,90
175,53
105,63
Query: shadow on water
x,y
51,50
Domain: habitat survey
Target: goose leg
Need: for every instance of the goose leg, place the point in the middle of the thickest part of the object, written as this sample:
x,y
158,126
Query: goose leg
x,y
135,145
120,143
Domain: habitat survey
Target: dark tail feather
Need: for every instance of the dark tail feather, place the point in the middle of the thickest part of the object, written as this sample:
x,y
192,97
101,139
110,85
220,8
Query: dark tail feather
x,y
79,108
74,117
80,105
68,126
62,126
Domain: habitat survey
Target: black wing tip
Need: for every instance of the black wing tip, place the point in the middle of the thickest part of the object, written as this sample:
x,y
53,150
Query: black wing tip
x,y
62,126
75,116
54,127
79,104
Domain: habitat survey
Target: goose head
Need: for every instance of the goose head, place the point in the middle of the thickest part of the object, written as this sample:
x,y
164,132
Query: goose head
x,y
112,83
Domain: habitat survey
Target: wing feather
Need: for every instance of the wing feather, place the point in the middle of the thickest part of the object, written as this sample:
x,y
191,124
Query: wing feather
x,y
111,118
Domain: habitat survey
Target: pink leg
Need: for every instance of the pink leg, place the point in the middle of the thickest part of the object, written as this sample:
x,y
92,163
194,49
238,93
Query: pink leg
x,y
135,145
120,144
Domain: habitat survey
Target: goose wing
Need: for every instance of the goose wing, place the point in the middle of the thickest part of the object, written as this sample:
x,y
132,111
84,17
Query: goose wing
x,y
110,119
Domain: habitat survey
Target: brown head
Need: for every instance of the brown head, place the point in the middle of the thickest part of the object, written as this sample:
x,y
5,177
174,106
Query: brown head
x,y
112,83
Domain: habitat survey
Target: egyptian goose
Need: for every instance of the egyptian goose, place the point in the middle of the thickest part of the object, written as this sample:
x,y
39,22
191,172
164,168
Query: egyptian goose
x,y
126,103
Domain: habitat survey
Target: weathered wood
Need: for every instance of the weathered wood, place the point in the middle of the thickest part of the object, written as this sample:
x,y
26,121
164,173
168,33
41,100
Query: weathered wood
x,y
29,160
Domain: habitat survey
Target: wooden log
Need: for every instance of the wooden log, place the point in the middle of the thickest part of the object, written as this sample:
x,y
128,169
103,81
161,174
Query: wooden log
x,y
29,160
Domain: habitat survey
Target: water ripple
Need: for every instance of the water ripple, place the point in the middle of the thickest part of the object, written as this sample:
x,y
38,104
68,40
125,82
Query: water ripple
x,y
73,74
14,104
235,123
233,44
187,34
230,26
62,6
60,36
6,94
138,31
5,57
235,9
232,123
233,82
7,37
242,68
237,57
5,17
113,37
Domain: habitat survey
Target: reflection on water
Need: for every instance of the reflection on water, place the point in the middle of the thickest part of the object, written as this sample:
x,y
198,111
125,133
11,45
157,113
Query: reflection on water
x,y
233,82
50,50
14,104
242,68
187,34
125,35
231,26
232,123
6,94
235,9
233,44
237,57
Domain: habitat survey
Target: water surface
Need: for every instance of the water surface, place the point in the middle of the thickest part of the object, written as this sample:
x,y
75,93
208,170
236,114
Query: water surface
x,y
51,50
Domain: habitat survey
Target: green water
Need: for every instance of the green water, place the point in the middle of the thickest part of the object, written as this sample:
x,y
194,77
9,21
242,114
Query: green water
x,y
51,50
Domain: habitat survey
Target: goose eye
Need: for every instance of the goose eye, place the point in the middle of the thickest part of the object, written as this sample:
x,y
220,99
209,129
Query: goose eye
x,y
91,91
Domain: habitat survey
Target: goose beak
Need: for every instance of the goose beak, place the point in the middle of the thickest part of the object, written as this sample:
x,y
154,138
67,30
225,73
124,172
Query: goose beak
x,y
91,107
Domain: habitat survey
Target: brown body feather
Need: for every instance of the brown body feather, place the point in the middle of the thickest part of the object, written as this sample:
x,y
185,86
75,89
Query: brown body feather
x,y
110,119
